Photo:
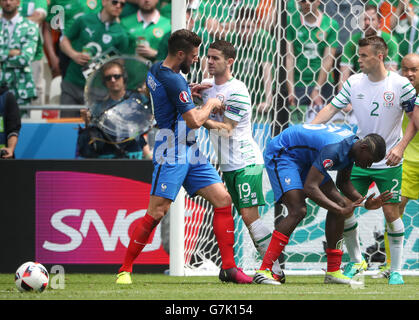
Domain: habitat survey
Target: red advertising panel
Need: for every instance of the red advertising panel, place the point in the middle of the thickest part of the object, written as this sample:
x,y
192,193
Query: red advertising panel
x,y
87,218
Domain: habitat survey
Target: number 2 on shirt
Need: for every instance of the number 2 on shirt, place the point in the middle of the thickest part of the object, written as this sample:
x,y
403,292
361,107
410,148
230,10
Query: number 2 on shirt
x,y
373,111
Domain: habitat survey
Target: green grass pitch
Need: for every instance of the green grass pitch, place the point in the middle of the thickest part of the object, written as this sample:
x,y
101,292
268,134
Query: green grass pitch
x,y
163,287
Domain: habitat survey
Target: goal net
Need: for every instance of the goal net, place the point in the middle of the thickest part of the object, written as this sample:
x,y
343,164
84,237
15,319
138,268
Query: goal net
x,y
276,58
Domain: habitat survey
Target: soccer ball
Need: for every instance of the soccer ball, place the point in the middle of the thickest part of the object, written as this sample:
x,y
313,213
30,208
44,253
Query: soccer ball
x,y
31,276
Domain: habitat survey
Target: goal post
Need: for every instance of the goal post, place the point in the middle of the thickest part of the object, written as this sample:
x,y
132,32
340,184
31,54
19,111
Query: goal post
x,y
261,63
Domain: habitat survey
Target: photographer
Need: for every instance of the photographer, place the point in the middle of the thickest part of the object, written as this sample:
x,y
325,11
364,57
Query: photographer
x,y
9,123
120,102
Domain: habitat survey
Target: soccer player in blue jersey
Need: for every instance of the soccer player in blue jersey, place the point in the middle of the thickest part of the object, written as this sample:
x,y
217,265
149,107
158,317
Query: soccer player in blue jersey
x,y
297,162
177,160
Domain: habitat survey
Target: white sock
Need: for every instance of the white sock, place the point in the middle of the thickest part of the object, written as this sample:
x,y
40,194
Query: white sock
x,y
351,238
395,232
261,237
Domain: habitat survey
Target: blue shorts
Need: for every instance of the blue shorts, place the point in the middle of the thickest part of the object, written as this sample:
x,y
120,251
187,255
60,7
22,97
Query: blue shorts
x,y
169,177
284,171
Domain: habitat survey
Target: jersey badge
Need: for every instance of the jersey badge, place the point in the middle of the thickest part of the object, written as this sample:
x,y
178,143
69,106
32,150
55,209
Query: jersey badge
x,y
388,99
106,38
327,164
220,97
158,32
184,97
91,4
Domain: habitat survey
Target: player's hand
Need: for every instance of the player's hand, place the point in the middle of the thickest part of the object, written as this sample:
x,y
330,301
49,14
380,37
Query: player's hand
x,y
196,89
347,210
215,103
376,203
394,156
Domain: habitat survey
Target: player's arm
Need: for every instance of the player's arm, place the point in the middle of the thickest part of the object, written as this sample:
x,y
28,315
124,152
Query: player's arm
x,y
343,182
224,128
312,190
325,114
415,116
395,155
195,117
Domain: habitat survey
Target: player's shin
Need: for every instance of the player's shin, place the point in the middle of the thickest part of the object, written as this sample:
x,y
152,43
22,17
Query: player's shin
x,y
276,246
138,241
334,257
223,225
396,238
334,229
351,239
260,235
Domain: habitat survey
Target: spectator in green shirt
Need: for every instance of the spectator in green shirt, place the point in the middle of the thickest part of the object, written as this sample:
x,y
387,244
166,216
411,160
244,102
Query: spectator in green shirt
x,y
60,17
254,61
311,50
146,29
89,36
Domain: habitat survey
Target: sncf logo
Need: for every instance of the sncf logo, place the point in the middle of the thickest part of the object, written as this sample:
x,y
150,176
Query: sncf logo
x,y
184,97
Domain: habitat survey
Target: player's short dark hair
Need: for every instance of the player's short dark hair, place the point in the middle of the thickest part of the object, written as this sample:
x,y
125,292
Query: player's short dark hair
x,y
183,40
377,43
377,146
225,47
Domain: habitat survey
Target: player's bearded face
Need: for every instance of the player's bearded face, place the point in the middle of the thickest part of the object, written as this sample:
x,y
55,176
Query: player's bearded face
x,y
188,60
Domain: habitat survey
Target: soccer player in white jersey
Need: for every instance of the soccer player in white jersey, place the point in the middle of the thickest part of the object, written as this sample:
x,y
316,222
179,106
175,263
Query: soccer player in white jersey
x,y
239,156
379,99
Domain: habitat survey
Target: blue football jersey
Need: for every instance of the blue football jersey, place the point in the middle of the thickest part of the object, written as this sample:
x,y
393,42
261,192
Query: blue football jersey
x,y
171,97
326,147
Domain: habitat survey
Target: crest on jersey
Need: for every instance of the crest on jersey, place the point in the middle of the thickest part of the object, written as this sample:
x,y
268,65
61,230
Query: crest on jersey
x,y
327,164
220,97
158,32
388,99
91,4
106,38
184,97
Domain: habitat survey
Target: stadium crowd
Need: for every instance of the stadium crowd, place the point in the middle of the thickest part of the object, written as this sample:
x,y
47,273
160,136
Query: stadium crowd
x,y
46,39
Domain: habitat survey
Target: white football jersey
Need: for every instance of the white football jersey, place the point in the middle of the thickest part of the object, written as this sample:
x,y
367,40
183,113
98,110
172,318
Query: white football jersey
x,y
239,149
377,106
